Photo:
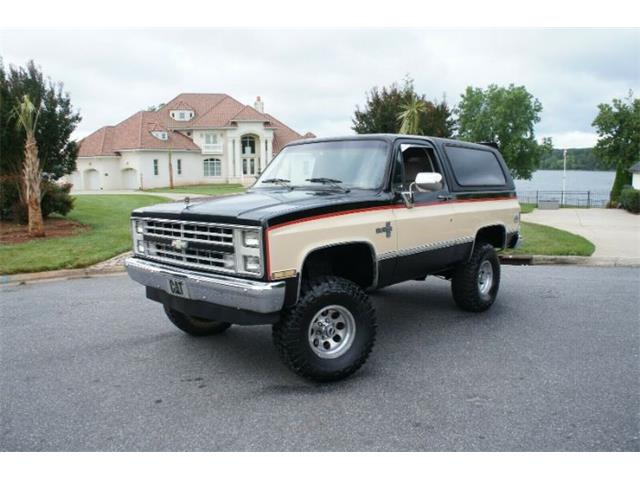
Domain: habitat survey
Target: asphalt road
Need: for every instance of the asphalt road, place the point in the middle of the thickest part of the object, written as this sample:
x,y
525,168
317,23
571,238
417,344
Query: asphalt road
x,y
90,364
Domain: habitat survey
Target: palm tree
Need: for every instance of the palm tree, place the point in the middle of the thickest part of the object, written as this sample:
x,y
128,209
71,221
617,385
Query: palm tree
x,y
410,115
27,115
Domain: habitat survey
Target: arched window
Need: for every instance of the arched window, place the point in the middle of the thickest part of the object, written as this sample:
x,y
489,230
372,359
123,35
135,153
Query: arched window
x,y
212,167
248,145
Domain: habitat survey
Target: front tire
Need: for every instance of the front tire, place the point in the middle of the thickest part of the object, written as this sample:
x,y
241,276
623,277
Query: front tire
x,y
475,282
198,327
329,333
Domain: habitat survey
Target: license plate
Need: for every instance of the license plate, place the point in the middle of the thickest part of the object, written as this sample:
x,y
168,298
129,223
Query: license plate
x,y
178,288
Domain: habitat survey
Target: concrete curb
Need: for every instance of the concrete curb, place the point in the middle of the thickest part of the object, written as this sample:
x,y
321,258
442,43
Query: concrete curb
x,y
110,270
67,274
569,260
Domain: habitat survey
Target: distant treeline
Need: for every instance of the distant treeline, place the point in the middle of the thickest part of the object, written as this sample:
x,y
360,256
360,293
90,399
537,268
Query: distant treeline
x,y
577,159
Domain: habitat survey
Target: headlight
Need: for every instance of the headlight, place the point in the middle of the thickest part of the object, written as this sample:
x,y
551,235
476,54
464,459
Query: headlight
x,y
251,238
137,236
251,263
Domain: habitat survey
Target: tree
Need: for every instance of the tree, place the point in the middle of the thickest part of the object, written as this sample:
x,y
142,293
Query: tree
x,y
618,127
384,109
506,116
56,122
411,114
27,114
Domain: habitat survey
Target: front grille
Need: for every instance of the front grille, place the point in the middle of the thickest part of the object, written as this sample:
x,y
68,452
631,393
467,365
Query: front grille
x,y
198,245
195,257
201,232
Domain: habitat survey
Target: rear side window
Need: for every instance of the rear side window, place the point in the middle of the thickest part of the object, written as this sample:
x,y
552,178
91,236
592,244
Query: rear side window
x,y
473,168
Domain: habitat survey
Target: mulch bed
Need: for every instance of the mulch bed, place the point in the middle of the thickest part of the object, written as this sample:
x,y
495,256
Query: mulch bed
x,y
13,233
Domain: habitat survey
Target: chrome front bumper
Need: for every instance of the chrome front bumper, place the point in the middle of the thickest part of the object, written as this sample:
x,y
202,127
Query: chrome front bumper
x,y
238,293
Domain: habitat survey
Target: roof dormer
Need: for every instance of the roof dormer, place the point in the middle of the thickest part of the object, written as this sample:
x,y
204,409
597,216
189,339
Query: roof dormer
x,y
160,135
181,115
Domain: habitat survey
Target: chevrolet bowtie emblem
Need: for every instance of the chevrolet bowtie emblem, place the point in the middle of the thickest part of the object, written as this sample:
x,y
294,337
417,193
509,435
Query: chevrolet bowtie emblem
x,y
386,229
179,244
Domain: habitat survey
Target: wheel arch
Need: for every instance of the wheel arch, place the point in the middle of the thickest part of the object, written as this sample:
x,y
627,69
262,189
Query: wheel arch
x,y
494,234
360,252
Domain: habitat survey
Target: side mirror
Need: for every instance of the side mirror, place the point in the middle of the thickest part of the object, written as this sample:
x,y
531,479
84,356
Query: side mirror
x,y
429,181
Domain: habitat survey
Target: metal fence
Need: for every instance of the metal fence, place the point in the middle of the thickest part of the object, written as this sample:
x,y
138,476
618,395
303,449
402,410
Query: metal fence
x,y
584,199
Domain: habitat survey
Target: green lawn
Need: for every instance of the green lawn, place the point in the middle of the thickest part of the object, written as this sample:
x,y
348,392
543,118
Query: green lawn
x,y
527,207
221,189
109,235
543,240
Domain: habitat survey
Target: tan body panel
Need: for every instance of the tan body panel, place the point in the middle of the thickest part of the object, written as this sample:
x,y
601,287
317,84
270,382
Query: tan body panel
x,y
433,224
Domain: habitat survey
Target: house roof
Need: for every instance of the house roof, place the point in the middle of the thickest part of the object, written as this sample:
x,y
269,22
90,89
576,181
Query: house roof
x,y
133,133
212,110
635,168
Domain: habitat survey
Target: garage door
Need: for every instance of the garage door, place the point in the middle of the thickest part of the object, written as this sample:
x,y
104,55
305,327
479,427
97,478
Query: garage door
x,y
130,179
91,180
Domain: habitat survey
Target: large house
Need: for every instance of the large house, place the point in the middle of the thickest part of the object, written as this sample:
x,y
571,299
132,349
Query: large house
x,y
195,138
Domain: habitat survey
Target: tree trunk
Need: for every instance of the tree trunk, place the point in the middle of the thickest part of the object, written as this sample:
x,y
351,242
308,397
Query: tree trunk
x,y
32,179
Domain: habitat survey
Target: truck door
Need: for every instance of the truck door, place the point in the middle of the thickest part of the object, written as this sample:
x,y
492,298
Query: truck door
x,y
427,231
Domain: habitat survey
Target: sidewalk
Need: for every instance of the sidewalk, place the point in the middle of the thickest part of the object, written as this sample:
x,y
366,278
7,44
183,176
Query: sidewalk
x,y
614,232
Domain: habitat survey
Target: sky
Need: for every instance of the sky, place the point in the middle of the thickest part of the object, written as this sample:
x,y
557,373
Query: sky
x,y
313,79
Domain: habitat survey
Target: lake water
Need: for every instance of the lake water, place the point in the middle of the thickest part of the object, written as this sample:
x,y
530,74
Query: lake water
x,y
583,180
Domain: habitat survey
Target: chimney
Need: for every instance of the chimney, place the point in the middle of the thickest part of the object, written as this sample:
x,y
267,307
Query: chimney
x,y
259,104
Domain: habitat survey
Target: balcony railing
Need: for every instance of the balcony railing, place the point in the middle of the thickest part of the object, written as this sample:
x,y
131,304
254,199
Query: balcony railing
x,y
212,148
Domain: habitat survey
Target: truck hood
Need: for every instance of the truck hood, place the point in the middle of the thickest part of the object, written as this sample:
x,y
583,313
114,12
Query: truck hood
x,y
264,207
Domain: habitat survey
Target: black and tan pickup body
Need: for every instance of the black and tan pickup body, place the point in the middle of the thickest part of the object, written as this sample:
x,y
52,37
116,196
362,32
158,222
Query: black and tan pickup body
x,y
370,237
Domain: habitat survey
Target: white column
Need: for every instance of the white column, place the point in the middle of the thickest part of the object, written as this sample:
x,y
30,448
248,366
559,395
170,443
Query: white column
x,y
263,154
229,159
269,150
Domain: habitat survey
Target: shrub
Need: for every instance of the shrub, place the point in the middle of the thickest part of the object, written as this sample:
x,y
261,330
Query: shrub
x,y
630,199
55,199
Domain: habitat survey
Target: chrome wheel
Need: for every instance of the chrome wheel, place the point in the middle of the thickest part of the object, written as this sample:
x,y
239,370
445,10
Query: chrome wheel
x,y
485,277
331,332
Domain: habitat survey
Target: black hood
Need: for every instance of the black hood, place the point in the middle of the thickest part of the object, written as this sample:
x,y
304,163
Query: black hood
x,y
265,207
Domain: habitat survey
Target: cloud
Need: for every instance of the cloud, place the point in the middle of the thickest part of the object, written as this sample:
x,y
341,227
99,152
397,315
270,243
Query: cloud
x,y
313,79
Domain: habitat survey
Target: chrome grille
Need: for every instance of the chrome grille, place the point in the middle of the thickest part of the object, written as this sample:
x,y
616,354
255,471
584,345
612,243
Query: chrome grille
x,y
191,256
200,232
192,244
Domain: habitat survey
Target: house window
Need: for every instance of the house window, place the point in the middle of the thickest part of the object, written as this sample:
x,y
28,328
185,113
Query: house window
x,y
212,167
179,166
155,166
248,145
210,138
181,115
249,166
160,135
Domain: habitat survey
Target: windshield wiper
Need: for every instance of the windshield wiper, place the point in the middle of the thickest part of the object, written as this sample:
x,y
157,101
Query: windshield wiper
x,y
279,181
329,181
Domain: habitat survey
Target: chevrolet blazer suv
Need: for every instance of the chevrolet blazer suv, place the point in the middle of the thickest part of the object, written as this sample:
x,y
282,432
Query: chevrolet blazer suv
x,y
328,221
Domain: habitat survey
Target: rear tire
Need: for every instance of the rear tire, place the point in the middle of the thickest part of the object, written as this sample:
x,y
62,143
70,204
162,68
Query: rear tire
x,y
198,327
475,282
329,333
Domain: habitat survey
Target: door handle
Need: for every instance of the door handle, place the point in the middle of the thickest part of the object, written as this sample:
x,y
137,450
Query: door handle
x,y
445,197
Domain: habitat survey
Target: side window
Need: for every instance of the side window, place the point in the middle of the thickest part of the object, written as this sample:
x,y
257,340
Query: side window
x,y
410,162
473,167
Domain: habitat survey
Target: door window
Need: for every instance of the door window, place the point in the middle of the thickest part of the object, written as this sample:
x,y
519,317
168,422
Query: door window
x,y
413,160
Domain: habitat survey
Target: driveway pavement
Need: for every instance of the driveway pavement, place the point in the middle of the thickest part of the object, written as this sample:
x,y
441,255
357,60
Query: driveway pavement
x,y
90,364
172,196
614,232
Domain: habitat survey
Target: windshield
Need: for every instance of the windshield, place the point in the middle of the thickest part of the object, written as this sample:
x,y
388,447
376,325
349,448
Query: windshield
x,y
347,163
